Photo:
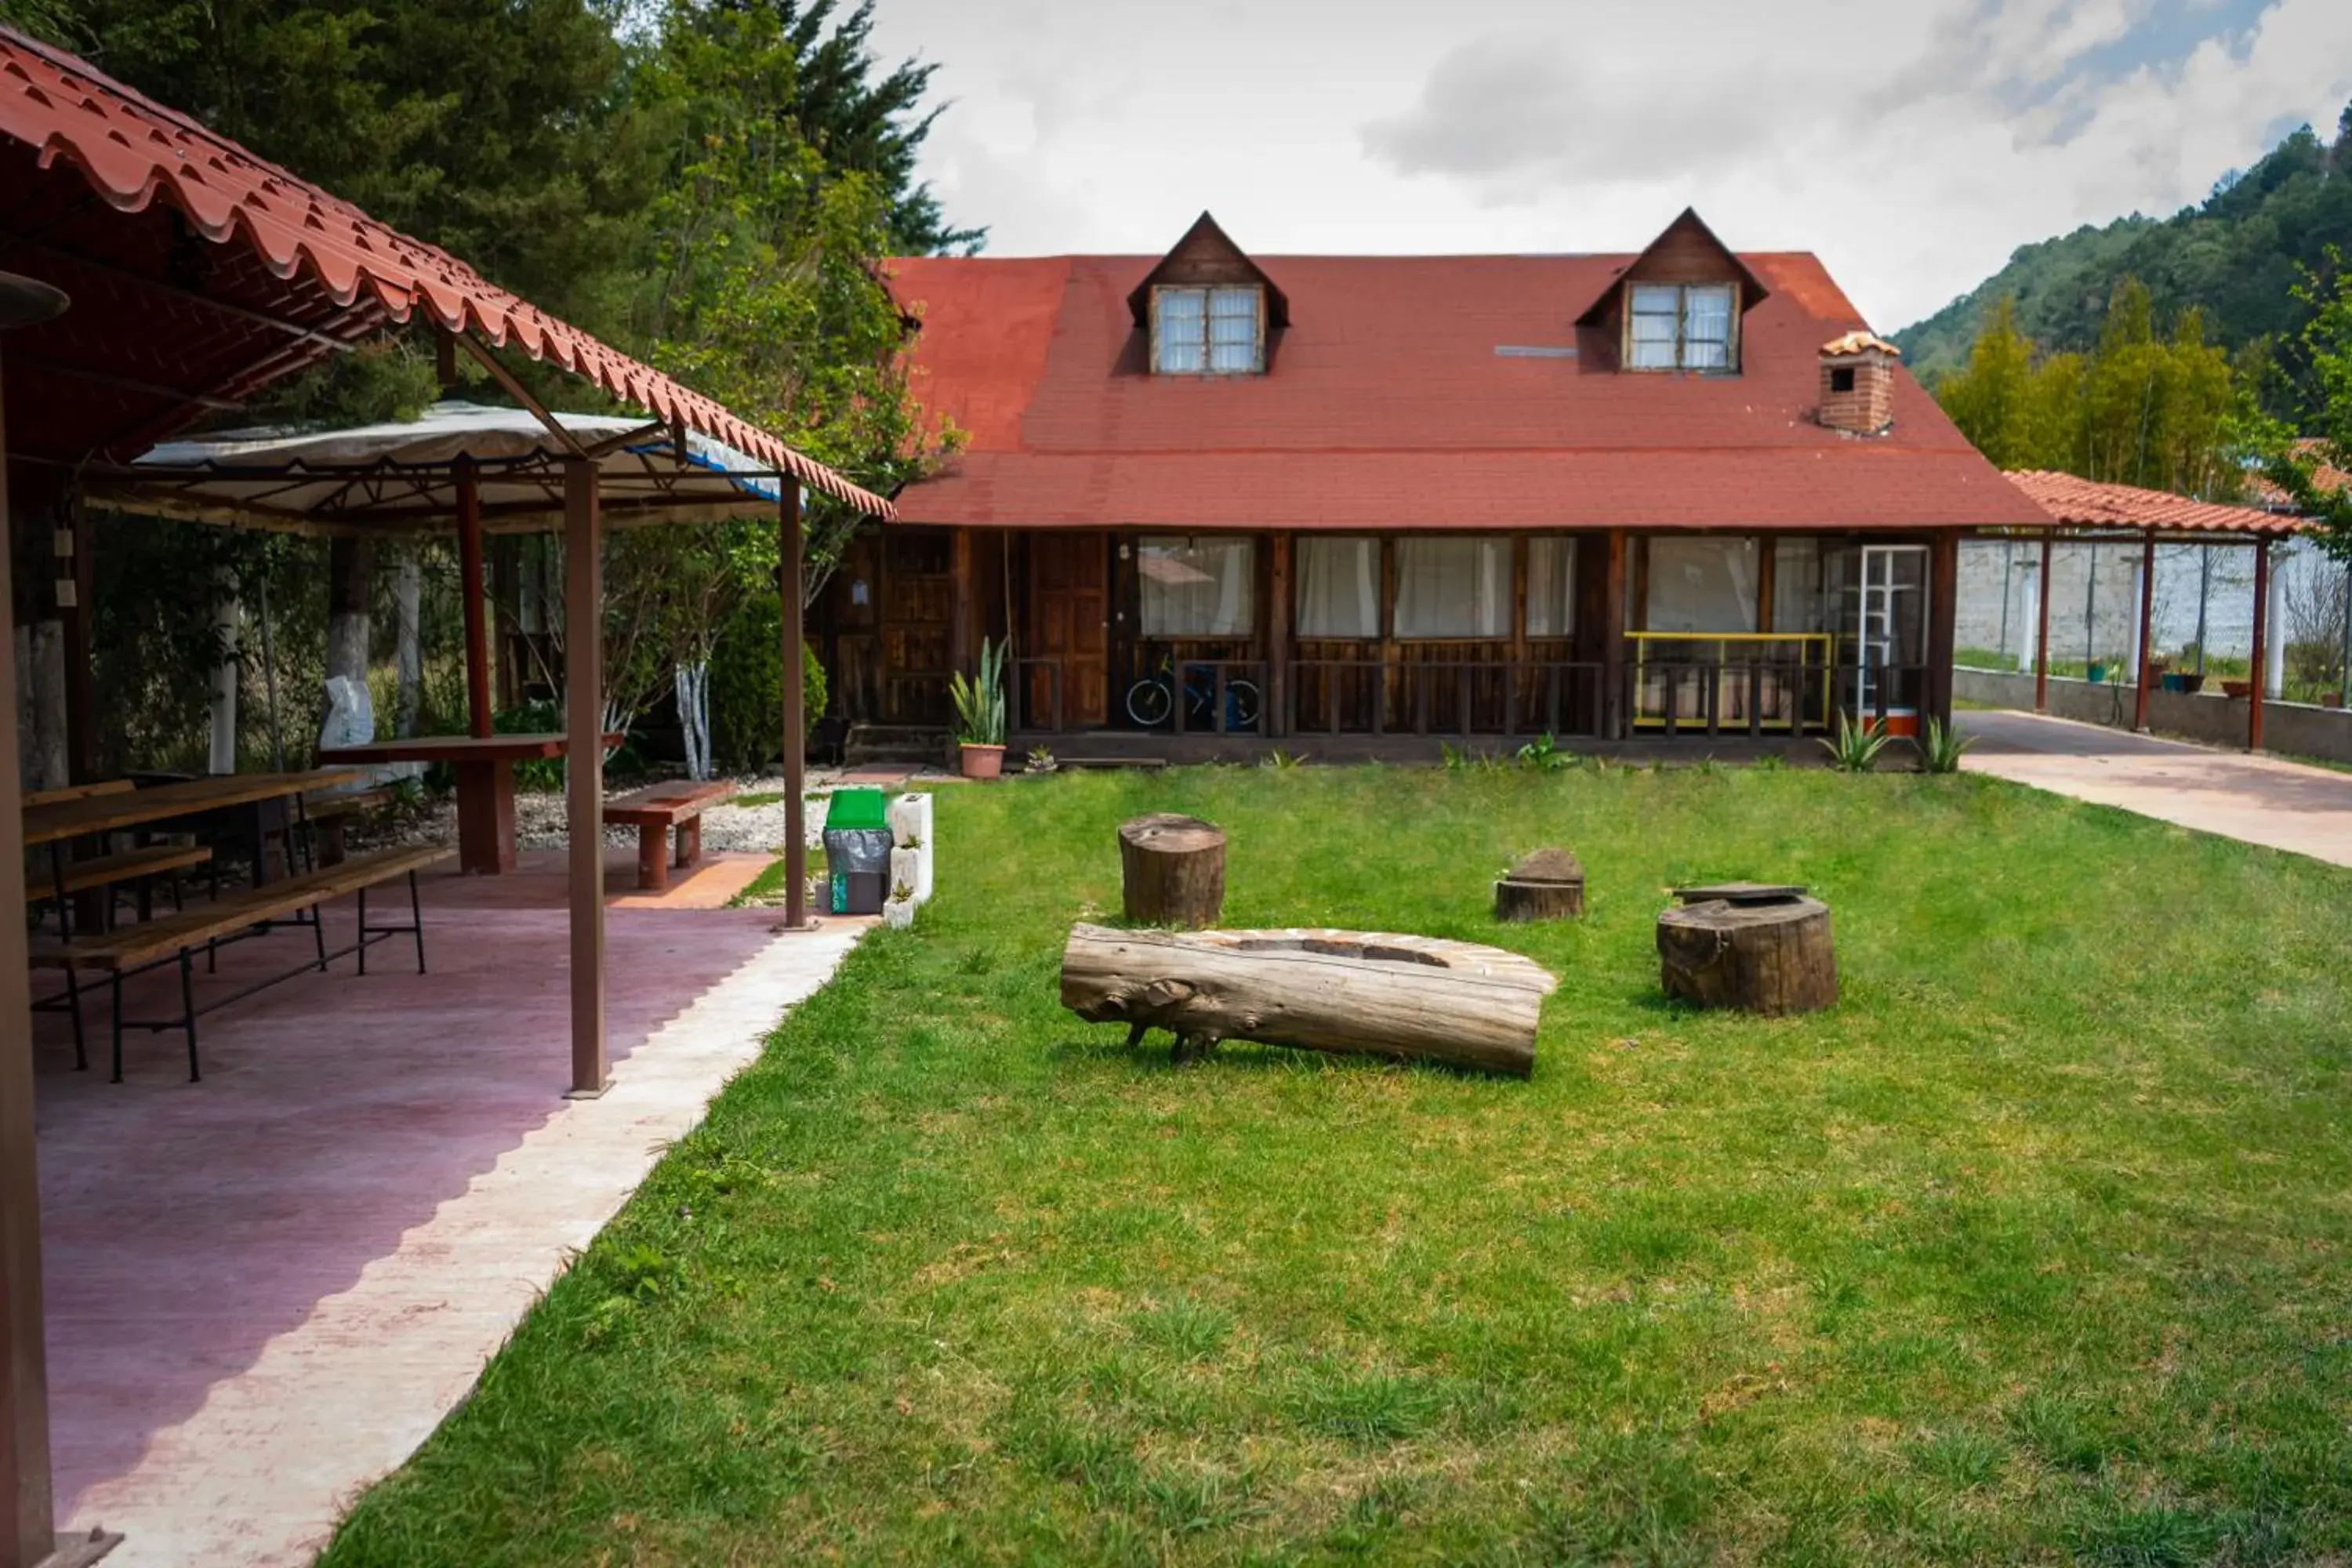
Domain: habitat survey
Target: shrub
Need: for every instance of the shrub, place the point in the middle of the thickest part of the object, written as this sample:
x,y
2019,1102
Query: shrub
x,y
747,694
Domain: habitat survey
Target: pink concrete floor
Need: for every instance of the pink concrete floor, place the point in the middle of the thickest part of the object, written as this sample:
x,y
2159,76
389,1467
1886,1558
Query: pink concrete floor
x,y
187,1225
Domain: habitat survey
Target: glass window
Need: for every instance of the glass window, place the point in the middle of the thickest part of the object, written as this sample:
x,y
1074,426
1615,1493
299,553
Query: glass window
x,y
1338,587
1799,603
1551,586
1211,330
1454,586
1701,585
1676,326
1197,588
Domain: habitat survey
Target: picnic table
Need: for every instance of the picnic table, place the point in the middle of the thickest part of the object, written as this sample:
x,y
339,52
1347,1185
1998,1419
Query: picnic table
x,y
485,770
260,798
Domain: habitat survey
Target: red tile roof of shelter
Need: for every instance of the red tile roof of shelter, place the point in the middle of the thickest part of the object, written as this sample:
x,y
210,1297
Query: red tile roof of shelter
x,y
163,332
2326,475
1411,392
2089,503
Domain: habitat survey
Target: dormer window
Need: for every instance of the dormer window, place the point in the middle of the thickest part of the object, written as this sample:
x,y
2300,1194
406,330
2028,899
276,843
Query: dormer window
x,y
1208,331
1679,326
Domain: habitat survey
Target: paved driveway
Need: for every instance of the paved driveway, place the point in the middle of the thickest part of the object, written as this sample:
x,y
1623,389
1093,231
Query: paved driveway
x,y
2261,800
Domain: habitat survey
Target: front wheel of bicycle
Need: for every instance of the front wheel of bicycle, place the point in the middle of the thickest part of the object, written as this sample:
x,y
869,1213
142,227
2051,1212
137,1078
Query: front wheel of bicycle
x,y
1241,705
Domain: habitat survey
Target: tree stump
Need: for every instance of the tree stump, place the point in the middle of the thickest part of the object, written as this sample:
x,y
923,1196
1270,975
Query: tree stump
x,y
1766,951
1172,870
1402,996
1547,885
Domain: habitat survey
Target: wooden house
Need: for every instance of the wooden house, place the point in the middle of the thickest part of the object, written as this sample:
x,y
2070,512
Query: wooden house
x,y
1222,503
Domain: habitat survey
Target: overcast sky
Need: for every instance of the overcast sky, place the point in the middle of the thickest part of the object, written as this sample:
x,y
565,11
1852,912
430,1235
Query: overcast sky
x,y
1913,143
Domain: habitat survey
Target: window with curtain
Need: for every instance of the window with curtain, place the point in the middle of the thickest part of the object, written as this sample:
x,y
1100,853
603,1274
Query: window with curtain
x,y
1701,585
1551,585
1338,587
1679,326
1211,331
1799,603
1454,586
1197,588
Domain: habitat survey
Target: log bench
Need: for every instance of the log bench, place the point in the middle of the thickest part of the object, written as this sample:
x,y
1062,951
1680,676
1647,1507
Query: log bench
x,y
654,812
130,949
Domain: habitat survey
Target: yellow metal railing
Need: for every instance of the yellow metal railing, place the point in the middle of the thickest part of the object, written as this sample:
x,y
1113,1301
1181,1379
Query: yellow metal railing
x,y
1779,670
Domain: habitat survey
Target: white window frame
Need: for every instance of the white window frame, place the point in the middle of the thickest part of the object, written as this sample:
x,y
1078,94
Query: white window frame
x,y
1207,345
1681,294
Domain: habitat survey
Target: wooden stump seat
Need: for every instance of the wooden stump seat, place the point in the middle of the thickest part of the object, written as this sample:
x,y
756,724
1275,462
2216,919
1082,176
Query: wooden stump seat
x,y
1759,948
654,812
1172,870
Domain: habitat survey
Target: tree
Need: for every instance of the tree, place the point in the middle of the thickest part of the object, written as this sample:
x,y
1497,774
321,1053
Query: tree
x,y
2301,468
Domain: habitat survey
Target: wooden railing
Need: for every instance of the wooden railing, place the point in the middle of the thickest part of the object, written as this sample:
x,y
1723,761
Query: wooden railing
x,y
1473,698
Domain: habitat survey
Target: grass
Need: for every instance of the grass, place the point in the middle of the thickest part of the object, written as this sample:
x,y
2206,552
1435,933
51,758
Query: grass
x,y
2034,1248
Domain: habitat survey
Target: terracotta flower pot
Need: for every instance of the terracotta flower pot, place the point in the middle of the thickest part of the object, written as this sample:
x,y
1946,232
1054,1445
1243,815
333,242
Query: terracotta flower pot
x,y
982,762
2237,687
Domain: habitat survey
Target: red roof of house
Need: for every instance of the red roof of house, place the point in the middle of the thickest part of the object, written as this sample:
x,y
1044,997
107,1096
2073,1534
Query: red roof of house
x,y
2090,503
1387,404
160,335
2325,475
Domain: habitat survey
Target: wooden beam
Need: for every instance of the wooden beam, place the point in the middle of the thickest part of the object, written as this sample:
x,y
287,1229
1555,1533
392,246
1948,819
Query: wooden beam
x,y
583,715
1278,635
788,592
1613,637
2042,629
81,678
1943,614
469,572
2146,624
520,393
26,1532
2262,646
964,605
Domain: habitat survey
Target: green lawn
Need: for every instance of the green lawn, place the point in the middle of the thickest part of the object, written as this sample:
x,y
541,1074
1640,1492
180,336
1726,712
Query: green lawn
x,y
2035,1249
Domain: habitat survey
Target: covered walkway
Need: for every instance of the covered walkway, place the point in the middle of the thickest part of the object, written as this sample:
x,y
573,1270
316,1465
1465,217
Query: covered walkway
x,y
2256,799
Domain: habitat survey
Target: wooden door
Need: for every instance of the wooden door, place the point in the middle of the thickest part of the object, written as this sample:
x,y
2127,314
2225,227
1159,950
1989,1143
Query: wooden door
x,y
1069,627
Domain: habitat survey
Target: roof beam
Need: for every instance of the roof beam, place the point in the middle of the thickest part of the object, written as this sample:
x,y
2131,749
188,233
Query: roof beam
x,y
172,291
520,393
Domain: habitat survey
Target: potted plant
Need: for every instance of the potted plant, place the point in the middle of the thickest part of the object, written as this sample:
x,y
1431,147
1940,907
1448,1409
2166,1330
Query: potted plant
x,y
1041,760
2096,672
979,714
2239,689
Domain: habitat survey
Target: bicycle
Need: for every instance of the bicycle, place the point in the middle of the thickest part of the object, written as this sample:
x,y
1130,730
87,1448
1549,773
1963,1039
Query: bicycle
x,y
1151,701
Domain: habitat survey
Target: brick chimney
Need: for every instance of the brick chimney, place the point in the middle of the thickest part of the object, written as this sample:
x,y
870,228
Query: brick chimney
x,y
1858,384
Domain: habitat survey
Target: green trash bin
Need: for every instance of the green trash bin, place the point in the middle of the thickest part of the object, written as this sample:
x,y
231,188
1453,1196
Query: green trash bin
x,y
854,808
857,852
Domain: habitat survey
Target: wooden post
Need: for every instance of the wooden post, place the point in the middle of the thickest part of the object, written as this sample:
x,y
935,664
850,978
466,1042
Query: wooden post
x,y
2262,645
81,678
1612,640
1943,612
964,608
583,724
1278,637
469,572
2041,631
2146,626
788,591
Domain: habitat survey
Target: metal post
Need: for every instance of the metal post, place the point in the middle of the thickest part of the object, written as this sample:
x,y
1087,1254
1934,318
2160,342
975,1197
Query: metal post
x,y
2147,616
788,604
2041,632
2344,665
2091,610
2260,648
2204,595
583,723
469,576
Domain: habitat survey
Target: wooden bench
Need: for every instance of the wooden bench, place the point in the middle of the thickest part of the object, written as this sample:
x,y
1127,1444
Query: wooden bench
x,y
131,949
331,814
111,870
653,812
77,791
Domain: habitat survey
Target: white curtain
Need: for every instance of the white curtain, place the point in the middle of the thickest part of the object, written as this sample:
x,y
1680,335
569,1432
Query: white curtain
x,y
1180,332
1799,603
1197,588
1338,587
1551,585
1656,308
1233,331
1707,327
1454,587
1701,585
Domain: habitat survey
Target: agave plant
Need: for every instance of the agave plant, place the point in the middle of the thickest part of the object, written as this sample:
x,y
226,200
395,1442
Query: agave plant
x,y
980,701
1941,747
1855,749
1545,754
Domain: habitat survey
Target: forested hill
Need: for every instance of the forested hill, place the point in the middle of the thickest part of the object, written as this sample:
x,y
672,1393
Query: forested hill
x,y
2236,255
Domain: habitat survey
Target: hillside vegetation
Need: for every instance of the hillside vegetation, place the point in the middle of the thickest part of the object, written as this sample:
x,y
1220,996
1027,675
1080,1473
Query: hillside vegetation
x,y
2236,257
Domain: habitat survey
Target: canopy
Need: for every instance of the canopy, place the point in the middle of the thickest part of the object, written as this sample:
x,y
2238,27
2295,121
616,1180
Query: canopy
x,y
401,477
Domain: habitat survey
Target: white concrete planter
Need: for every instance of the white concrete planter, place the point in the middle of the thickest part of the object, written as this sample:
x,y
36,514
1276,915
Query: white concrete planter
x,y
909,816
899,914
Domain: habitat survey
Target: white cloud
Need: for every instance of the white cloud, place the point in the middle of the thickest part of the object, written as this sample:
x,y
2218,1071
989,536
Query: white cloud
x,y
1913,144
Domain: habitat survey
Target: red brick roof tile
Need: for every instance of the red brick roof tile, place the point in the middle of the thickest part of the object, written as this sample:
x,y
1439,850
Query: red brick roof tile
x,y
2089,503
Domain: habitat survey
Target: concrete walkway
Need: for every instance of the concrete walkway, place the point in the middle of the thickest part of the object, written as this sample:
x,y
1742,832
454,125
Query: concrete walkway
x,y
2257,799
267,1289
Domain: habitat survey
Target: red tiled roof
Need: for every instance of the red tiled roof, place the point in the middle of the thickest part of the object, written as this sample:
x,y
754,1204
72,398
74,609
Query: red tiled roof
x,y
2326,475
1387,406
2089,503
340,273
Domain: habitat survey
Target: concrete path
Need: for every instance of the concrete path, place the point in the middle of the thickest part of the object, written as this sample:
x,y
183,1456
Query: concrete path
x,y
2258,799
376,1220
